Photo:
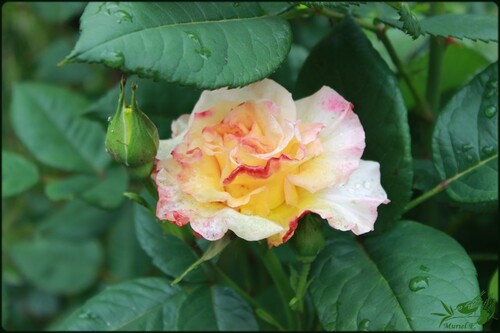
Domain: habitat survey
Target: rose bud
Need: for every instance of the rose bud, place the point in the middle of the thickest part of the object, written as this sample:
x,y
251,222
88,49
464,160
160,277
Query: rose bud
x,y
132,138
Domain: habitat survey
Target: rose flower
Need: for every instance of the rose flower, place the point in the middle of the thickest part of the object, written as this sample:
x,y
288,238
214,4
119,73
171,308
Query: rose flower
x,y
254,161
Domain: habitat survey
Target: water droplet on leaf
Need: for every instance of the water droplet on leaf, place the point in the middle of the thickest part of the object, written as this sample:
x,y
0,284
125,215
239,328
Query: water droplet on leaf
x,y
204,53
113,59
488,150
363,325
418,283
123,16
424,268
490,111
466,147
87,315
469,158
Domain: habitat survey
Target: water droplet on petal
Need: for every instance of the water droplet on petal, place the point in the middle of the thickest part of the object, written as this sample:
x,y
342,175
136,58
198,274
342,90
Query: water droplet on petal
x,y
113,59
367,185
358,186
418,283
363,325
490,111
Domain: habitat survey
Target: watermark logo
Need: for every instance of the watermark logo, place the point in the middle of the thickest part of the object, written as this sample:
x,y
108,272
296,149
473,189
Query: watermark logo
x,y
467,315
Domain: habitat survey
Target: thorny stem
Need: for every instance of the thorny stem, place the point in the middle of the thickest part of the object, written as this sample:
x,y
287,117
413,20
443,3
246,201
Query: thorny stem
x,y
422,107
441,186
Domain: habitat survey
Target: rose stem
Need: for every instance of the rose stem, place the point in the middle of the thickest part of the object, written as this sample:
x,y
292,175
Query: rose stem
x,y
275,270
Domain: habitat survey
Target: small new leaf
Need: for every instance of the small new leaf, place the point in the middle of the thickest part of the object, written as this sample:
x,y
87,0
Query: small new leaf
x,y
214,249
410,22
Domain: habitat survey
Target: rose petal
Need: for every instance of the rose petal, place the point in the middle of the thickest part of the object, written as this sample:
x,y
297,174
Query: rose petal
x,y
180,125
262,90
211,220
248,227
352,206
342,139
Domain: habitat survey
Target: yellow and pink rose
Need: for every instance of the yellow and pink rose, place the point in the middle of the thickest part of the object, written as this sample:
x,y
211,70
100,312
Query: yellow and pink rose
x,y
252,160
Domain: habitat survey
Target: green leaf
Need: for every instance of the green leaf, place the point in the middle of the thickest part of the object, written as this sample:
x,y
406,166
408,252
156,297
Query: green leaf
x,y
287,74
391,281
47,71
47,121
493,286
169,253
215,248
18,174
216,308
346,62
145,304
126,258
151,304
69,188
471,26
76,220
465,141
57,12
58,266
208,45
332,4
108,192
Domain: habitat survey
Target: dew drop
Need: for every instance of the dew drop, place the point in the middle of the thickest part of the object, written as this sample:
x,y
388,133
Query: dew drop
x,y
466,147
490,93
109,119
113,59
469,158
418,283
367,185
424,268
490,111
87,315
358,186
204,53
363,325
488,150
123,16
